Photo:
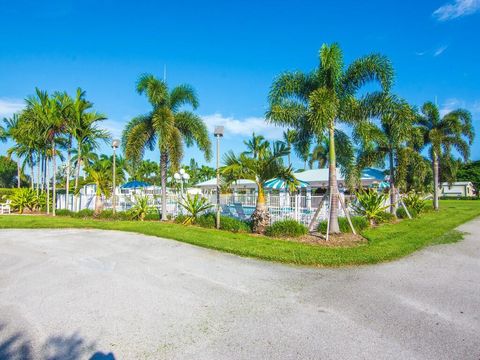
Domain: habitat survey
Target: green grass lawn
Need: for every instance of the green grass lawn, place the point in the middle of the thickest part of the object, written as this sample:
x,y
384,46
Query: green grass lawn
x,y
386,242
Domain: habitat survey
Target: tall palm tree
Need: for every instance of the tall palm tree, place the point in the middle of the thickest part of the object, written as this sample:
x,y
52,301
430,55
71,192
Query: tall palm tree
x,y
167,126
11,131
442,133
266,165
316,102
256,145
289,138
86,133
389,139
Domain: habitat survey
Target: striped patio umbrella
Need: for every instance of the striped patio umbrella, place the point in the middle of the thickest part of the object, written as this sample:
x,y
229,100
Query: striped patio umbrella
x,y
279,184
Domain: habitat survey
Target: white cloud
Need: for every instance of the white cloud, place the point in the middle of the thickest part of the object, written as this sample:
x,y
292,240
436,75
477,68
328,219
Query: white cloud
x,y
10,106
243,127
457,9
440,50
114,127
454,103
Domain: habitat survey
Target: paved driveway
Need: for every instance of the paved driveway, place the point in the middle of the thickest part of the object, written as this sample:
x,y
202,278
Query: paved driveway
x,y
76,293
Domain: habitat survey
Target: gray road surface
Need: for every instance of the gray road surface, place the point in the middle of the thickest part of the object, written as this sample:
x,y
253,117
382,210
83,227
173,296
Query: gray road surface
x,y
74,294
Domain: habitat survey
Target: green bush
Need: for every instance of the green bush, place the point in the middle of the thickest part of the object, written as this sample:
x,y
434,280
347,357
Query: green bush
x,y
63,212
286,228
24,198
153,214
371,204
109,215
83,214
207,220
359,223
234,225
5,193
414,202
402,214
384,217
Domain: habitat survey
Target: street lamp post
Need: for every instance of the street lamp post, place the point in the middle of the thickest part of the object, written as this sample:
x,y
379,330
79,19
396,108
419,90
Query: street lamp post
x,y
218,133
115,145
181,176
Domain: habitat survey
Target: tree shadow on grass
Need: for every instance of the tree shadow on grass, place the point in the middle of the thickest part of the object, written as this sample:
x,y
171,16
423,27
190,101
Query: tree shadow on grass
x,y
18,346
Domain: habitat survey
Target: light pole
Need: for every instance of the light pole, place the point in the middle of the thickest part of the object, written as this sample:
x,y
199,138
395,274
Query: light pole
x,y
115,145
218,133
180,177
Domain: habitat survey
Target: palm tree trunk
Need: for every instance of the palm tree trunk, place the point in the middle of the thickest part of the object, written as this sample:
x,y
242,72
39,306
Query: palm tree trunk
x,y
163,171
393,200
435,179
332,181
98,203
47,183
32,174
54,184
19,174
39,162
77,175
261,216
67,180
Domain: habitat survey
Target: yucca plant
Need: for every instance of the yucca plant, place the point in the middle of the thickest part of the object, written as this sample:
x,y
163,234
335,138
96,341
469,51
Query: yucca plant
x,y
415,202
141,208
24,199
194,206
371,204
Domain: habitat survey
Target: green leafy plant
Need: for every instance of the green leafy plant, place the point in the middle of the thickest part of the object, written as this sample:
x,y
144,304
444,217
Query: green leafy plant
x,y
286,228
83,214
141,208
371,204
414,201
194,206
24,199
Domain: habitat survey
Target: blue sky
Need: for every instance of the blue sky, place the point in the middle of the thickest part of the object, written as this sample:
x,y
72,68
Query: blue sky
x,y
230,51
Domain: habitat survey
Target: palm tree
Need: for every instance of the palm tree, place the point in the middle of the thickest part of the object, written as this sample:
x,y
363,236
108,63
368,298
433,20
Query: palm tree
x,y
289,138
86,133
167,126
441,134
11,131
102,181
266,165
316,102
256,145
389,139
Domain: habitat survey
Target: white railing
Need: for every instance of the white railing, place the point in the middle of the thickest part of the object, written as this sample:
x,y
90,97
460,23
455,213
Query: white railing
x,y
280,206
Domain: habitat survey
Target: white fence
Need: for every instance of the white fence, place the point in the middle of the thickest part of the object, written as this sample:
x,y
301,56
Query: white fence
x,y
281,207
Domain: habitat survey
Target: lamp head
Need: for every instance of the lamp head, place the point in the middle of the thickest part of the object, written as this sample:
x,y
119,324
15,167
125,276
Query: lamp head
x,y
218,132
115,143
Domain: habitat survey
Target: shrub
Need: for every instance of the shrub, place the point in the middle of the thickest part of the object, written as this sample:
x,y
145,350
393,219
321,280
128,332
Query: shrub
x,y
207,220
5,193
359,223
153,214
371,204
402,214
385,217
63,212
459,198
234,225
414,202
194,206
83,214
24,198
140,209
286,228
109,215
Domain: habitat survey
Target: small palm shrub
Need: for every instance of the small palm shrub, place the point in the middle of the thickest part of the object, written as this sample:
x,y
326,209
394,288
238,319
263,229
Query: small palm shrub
x,y
286,228
371,204
140,209
359,223
24,199
415,202
385,217
194,206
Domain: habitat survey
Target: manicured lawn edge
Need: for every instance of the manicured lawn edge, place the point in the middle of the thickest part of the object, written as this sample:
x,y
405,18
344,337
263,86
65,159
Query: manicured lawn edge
x,y
385,243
